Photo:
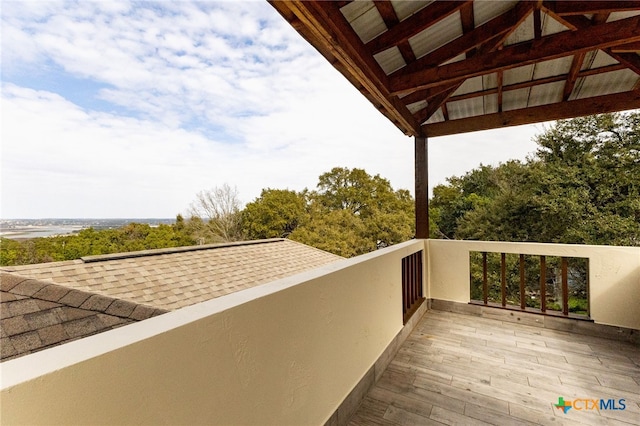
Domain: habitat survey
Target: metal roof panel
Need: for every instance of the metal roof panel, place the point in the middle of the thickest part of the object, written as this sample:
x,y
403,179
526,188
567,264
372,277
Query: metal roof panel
x,y
524,32
469,86
466,108
545,94
404,8
550,25
515,99
611,82
437,35
490,104
364,19
438,117
552,68
518,75
486,10
390,60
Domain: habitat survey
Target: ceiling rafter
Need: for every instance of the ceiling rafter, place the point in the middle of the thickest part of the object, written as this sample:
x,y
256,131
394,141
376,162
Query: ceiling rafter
x,y
424,18
630,60
550,47
627,48
537,24
568,8
536,82
558,111
572,77
390,18
520,13
500,89
468,24
435,103
429,84
495,31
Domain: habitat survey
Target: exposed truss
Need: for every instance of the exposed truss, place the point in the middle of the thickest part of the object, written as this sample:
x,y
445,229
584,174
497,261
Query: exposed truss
x,y
445,67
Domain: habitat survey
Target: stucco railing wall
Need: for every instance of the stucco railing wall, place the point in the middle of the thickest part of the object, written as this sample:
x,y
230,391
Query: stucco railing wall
x,y
287,352
614,274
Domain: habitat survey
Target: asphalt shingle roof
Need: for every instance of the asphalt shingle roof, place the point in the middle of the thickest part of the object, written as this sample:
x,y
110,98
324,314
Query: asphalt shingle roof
x,y
173,278
36,315
47,304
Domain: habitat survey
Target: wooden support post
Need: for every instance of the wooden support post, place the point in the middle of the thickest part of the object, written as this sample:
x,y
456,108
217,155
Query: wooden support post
x,y
422,187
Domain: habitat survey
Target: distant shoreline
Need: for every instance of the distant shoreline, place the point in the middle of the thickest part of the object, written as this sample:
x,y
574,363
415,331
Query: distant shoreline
x,y
26,229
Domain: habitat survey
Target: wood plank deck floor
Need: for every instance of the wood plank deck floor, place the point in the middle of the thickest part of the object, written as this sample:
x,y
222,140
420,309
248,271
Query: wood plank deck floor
x,y
464,370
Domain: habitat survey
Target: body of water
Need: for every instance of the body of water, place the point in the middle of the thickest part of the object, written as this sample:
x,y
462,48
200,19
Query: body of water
x,y
19,229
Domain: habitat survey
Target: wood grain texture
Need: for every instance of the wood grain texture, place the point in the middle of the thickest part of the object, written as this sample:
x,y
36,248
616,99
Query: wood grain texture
x,y
461,369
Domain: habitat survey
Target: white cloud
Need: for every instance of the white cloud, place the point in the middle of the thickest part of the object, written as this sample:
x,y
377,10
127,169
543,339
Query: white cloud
x,y
214,93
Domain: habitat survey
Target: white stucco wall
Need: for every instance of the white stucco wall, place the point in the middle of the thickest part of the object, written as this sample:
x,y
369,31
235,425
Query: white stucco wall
x,y
614,274
287,352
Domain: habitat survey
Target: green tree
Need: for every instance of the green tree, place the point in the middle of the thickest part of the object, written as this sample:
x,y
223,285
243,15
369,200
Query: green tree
x,y
353,213
582,186
275,214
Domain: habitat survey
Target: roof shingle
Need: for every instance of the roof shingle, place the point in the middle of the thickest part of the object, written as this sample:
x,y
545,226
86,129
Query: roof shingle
x,y
173,278
49,304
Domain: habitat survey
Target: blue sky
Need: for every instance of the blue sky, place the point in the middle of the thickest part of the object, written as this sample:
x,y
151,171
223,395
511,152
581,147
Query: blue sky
x,y
120,109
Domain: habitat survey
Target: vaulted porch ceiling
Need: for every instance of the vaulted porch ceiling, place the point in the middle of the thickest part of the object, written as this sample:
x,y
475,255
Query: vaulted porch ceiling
x,y
444,67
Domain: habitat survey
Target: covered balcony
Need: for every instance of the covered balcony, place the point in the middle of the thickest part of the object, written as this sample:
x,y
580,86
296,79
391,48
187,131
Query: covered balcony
x,y
423,332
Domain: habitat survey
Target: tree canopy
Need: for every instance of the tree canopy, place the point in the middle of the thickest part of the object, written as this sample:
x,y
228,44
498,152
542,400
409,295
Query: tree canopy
x,y
349,213
582,186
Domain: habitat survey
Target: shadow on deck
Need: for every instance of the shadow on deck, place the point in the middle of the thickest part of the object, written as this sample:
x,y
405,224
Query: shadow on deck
x,y
461,369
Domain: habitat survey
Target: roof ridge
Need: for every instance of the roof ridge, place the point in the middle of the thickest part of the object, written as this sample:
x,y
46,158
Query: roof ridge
x,y
172,250
315,248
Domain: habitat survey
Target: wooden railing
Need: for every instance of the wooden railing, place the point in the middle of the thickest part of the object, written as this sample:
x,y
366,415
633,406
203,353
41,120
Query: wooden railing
x,y
541,287
412,279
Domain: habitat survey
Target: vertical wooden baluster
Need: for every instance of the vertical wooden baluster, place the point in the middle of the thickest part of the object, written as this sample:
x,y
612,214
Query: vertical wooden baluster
x,y
543,284
565,288
485,286
503,275
523,303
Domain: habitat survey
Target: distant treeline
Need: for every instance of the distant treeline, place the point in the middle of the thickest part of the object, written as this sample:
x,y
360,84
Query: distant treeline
x,y
90,241
582,186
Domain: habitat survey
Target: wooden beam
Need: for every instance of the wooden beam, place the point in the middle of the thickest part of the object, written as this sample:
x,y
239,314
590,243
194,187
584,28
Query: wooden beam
x,y
490,31
550,47
576,108
421,187
500,89
341,3
522,85
627,48
630,60
576,64
390,18
424,18
324,26
536,82
537,24
591,6
435,104
388,13
515,17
